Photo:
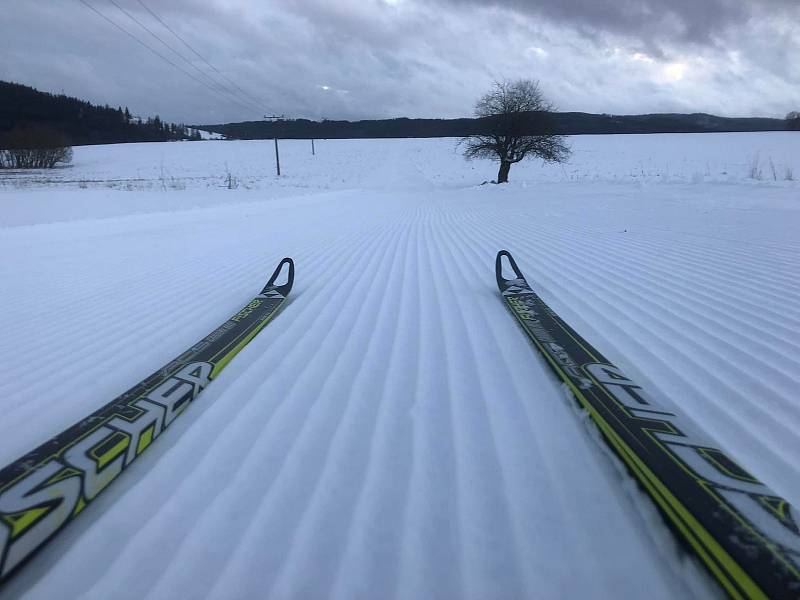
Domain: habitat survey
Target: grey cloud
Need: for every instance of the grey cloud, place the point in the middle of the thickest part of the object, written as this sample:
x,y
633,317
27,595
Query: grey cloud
x,y
371,58
647,20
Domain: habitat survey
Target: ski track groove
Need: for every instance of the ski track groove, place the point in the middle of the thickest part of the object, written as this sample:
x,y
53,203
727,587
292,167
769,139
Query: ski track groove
x,y
557,569
545,459
724,275
480,517
780,381
249,461
135,334
744,437
347,581
658,329
481,264
679,362
277,510
428,532
140,536
597,280
514,485
747,437
485,567
712,308
180,477
313,521
756,303
654,265
668,251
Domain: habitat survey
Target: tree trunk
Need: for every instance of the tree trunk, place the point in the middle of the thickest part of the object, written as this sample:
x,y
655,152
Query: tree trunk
x,y
502,174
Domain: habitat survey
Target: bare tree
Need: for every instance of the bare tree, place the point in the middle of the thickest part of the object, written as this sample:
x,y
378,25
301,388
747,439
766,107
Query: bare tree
x,y
33,147
515,123
793,121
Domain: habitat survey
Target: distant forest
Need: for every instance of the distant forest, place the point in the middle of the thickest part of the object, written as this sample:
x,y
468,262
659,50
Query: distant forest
x,y
566,123
81,122
84,123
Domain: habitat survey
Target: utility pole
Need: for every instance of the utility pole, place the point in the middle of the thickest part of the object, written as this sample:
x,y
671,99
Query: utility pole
x,y
277,156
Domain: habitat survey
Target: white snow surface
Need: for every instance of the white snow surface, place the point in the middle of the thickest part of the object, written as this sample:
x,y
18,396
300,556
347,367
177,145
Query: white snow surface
x,y
392,433
208,135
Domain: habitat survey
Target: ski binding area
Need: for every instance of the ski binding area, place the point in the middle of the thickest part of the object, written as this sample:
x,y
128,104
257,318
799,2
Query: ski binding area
x,y
41,492
396,431
746,535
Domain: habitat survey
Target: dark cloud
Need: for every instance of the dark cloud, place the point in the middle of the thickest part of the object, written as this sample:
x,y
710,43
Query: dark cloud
x,y
382,58
648,21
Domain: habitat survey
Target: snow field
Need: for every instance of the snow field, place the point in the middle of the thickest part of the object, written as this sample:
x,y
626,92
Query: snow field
x,y
392,433
752,158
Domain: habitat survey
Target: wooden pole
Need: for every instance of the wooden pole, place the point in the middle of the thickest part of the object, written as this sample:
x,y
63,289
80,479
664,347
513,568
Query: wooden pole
x,y
277,158
312,147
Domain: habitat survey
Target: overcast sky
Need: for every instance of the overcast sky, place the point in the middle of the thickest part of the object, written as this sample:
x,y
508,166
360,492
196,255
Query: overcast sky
x,y
358,59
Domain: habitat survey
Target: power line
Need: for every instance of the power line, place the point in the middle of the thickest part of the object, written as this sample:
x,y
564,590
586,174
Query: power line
x,y
153,50
198,55
218,91
220,87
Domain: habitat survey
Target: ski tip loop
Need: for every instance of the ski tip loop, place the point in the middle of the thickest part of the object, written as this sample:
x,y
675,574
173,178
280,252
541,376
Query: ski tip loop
x,y
502,282
285,288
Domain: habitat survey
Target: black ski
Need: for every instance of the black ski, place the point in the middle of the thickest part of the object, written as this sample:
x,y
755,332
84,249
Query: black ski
x,y
744,533
41,492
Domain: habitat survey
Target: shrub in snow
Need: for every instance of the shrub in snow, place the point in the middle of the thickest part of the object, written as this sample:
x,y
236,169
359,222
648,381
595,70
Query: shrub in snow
x,y
34,147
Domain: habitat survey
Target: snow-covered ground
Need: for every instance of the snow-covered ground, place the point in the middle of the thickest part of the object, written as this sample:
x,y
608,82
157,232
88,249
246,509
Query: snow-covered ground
x,y
393,433
208,135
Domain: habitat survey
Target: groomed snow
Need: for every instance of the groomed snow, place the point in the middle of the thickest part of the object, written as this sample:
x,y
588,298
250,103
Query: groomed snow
x,y
392,433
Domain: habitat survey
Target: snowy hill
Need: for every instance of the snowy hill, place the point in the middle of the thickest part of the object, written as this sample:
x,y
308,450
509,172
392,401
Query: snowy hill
x,y
393,433
207,135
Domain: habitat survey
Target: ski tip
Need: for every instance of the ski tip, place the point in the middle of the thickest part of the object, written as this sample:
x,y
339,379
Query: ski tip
x,y
502,283
285,288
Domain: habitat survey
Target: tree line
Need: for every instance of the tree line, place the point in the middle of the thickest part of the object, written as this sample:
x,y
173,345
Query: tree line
x,y
24,108
563,123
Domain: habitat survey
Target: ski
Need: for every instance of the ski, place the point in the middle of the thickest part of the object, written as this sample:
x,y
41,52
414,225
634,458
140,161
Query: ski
x,y
44,490
745,534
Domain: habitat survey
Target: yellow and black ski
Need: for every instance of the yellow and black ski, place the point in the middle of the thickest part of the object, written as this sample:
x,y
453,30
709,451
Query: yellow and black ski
x,y
745,534
41,492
